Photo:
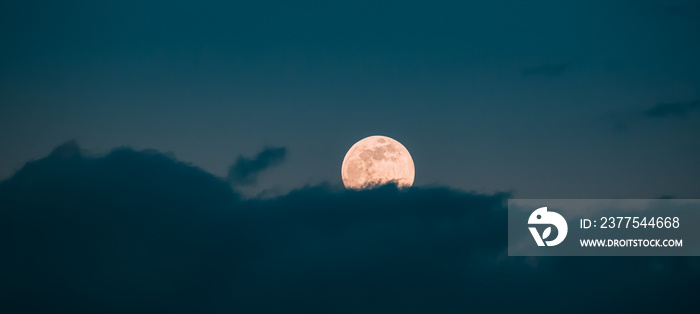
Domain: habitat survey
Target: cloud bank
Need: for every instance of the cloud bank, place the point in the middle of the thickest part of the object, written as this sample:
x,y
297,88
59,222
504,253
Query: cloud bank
x,y
140,232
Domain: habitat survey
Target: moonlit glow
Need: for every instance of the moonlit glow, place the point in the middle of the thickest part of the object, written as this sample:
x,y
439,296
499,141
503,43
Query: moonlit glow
x,y
377,160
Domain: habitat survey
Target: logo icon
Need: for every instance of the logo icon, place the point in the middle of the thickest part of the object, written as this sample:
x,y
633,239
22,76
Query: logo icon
x,y
543,217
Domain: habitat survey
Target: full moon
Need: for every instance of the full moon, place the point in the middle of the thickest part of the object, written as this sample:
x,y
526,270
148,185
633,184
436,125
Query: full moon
x,y
377,160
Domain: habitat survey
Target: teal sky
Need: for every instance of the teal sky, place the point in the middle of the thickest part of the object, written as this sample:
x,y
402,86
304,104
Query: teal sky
x,y
547,99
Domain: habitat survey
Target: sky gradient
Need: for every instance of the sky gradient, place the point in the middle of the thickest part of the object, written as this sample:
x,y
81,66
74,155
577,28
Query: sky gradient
x,y
543,99
185,156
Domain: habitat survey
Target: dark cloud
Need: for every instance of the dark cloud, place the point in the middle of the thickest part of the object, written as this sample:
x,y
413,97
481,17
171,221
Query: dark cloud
x,y
680,109
547,70
245,170
67,150
140,232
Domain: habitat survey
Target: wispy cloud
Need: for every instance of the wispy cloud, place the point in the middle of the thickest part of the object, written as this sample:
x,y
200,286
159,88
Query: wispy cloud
x,y
680,109
245,170
685,9
621,121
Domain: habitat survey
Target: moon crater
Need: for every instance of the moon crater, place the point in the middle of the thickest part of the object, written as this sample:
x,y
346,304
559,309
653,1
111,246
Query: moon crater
x,y
375,161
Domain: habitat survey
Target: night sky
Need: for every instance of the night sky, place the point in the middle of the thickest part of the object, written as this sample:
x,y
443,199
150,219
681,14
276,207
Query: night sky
x,y
177,156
